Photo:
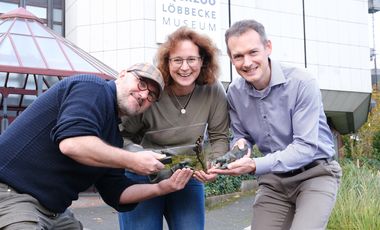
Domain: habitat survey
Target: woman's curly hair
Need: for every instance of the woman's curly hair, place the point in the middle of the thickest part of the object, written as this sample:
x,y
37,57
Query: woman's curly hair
x,y
207,50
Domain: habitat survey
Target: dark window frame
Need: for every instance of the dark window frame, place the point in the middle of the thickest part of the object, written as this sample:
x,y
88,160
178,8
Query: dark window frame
x,y
50,5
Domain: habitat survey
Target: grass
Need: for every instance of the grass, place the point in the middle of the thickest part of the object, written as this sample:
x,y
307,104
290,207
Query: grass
x,y
358,201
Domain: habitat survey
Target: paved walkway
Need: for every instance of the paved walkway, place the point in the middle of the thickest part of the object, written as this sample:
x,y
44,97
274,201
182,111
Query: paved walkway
x,y
234,214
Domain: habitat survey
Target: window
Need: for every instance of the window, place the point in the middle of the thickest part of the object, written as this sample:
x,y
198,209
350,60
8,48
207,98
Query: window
x,y
51,12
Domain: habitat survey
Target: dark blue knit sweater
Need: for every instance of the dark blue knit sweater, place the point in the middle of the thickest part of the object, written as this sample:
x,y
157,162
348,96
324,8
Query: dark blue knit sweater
x,y
30,160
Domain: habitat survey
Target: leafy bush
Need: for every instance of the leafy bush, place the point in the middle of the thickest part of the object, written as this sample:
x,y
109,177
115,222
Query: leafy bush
x,y
225,185
376,145
229,184
366,142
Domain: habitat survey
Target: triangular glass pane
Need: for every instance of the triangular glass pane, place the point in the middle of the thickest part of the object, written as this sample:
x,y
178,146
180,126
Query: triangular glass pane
x,y
7,54
78,62
20,27
29,54
4,25
53,54
38,29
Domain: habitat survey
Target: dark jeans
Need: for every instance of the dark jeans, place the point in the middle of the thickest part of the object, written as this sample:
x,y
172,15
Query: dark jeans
x,y
183,210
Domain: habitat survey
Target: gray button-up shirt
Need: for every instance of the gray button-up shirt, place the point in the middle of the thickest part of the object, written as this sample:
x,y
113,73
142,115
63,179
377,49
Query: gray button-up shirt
x,y
285,120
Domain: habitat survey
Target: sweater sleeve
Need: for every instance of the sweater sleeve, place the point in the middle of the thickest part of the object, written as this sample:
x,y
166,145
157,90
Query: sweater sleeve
x,y
218,122
111,185
81,111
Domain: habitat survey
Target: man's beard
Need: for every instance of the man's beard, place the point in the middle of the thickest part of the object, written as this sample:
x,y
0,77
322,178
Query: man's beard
x,y
125,108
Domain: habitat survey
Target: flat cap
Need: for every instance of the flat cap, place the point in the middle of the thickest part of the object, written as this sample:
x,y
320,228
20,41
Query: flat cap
x,y
147,70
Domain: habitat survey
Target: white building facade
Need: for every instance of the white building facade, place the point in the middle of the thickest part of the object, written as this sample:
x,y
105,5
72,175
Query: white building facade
x,y
328,37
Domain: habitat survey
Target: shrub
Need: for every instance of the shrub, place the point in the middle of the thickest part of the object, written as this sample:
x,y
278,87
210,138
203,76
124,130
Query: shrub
x,y
376,145
225,185
361,144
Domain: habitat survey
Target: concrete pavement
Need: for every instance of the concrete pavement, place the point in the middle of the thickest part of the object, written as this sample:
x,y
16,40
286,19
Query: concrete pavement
x,y
233,213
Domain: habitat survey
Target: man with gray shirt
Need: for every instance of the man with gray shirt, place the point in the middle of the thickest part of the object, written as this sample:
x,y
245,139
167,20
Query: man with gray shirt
x,y
279,108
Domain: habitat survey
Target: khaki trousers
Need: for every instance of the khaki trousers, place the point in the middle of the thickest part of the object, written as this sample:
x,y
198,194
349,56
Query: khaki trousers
x,y
22,211
300,202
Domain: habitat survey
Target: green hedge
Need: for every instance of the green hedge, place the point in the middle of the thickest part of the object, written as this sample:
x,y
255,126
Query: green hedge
x,y
229,184
376,145
225,185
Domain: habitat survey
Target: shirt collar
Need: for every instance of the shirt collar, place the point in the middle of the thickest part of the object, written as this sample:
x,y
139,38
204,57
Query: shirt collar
x,y
277,78
277,75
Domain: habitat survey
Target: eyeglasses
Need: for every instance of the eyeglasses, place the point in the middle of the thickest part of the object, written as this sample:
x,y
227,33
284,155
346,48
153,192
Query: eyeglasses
x,y
192,61
143,85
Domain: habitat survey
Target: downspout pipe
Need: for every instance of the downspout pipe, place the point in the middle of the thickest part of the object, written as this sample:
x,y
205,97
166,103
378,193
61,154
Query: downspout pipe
x,y
304,31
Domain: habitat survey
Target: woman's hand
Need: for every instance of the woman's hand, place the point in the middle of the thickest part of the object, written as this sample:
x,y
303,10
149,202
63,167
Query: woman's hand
x,y
204,177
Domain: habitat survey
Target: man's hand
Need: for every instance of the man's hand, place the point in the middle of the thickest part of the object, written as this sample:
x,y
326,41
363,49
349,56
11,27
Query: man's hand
x,y
235,153
177,181
241,143
241,166
145,162
93,151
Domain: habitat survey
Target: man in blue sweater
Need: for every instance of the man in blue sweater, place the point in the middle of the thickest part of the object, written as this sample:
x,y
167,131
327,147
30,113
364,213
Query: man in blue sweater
x,y
68,140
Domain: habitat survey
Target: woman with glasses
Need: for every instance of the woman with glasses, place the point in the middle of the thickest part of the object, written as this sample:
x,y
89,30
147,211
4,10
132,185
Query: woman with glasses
x,y
193,95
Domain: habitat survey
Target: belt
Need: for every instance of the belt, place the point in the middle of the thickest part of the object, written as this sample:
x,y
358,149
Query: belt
x,y
304,168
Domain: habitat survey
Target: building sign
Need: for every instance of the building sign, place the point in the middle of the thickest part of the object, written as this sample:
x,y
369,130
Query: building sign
x,y
200,15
